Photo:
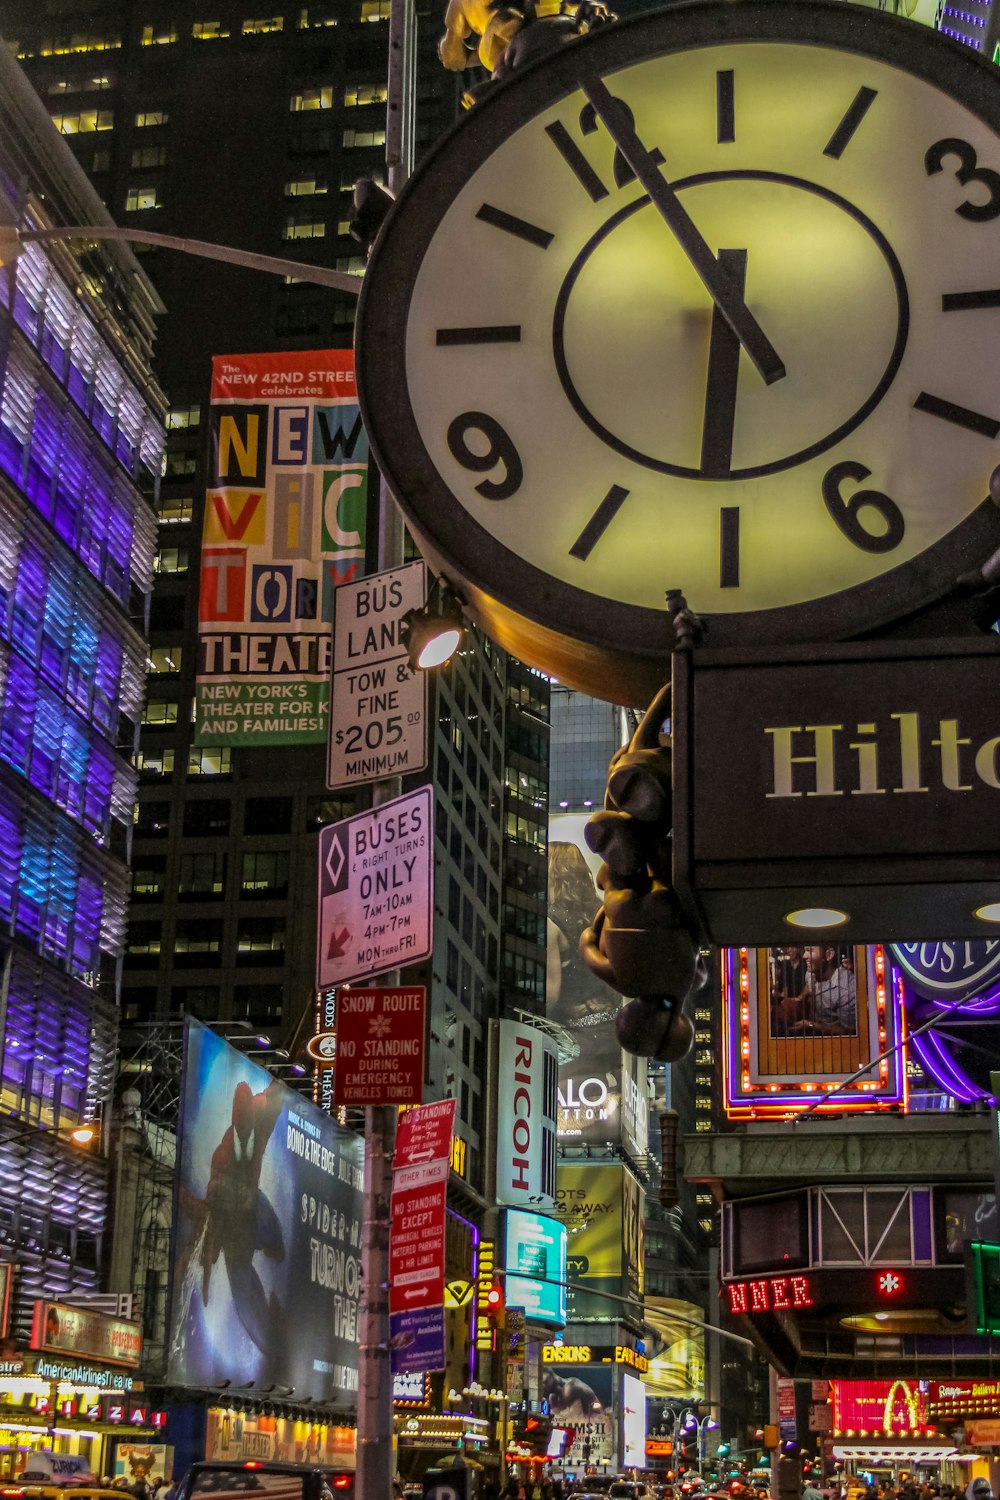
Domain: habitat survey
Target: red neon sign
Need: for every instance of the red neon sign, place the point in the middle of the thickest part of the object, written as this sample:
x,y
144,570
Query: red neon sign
x,y
889,1283
776,1294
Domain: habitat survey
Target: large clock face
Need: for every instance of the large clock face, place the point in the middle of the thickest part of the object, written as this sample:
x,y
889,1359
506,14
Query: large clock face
x,y
570,418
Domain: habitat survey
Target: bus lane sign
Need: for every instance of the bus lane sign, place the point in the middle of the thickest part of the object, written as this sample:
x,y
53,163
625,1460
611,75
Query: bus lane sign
x,y
376,890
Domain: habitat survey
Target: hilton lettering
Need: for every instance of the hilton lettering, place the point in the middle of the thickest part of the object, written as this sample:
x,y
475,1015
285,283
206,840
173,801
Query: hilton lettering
x,y
840,765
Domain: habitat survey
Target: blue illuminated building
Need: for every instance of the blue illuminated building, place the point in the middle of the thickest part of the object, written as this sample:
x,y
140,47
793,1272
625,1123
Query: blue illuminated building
x,y
81,443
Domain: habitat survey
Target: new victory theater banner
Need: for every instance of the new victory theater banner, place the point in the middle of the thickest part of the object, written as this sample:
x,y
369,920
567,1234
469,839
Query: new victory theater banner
x,y
284,525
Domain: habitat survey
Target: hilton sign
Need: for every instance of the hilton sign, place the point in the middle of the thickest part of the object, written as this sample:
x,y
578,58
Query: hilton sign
x,y
860,780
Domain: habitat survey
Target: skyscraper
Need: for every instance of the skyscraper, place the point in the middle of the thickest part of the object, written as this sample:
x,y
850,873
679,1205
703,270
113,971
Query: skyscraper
x,y
81,443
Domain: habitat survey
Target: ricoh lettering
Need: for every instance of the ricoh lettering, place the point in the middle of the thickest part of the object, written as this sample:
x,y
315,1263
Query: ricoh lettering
x,y
838,760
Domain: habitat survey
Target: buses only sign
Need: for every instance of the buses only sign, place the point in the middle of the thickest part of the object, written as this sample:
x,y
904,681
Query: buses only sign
x,y
376,890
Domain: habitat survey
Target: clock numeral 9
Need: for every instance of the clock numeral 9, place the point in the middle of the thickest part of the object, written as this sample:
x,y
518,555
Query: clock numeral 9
x,y
967,171
501,450
847,513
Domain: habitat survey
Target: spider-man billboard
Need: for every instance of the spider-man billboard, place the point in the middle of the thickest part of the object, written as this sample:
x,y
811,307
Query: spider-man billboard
x,y
267,1235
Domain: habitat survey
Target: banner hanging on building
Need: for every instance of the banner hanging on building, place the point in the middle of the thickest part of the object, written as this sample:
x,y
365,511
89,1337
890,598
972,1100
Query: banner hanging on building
x,y
284,525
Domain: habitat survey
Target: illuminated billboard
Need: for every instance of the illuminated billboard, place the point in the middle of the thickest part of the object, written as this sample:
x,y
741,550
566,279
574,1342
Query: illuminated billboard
x,y
266,1264
677,1367
603,1208
580,1004
536,1246
580,1397
526,1116
801,1020
633,1404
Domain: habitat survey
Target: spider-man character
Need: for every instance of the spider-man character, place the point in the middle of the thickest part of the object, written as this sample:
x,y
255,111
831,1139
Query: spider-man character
x,y
239,1218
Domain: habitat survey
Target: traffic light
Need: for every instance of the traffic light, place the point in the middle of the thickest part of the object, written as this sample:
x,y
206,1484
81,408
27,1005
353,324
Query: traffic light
x,y
722,1451
496,1307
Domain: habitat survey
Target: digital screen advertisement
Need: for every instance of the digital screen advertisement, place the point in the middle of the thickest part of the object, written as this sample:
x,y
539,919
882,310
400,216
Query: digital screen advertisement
x,y
633,1403
536,1246
580,1397
266,1266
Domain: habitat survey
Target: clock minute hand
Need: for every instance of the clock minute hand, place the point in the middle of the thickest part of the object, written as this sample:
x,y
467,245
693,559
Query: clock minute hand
x,y
724,293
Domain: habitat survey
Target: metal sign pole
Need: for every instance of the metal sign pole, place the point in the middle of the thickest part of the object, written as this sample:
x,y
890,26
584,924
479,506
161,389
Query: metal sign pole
x,y
375,1461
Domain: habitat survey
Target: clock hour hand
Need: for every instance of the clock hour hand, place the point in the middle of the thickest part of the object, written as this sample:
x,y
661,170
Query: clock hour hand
x,y
723,291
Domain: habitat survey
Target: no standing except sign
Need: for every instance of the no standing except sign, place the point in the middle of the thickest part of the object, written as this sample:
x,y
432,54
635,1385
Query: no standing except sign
x,y
376,890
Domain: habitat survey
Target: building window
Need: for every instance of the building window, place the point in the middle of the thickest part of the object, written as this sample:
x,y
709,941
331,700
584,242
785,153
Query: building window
x,y
208,31
375,10
83,121
213,762
180,465
100,161
97,84
259,28
303,318
144,938
199,938
150,762
265,874
318,98
171,560
267,815
305,187
175,509
142,197
312,229
261,940
365,93
183,416
353,264
149,156
206,817
202,875
164,659
149,117
158,36
356,138
79,41
148,876
152,820
159,711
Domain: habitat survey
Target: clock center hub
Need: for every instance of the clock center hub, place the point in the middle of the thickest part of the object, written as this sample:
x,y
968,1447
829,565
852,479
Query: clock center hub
x,y
820,278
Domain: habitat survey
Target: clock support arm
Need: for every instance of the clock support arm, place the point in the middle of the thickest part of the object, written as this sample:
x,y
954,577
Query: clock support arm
x,y
719,285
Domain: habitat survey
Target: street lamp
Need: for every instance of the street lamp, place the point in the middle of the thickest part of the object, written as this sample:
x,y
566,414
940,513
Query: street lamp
x,y
13,241
13,1129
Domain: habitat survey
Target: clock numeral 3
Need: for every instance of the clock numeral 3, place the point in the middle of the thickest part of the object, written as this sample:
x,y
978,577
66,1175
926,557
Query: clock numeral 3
x,y
501,451
966,172
847,513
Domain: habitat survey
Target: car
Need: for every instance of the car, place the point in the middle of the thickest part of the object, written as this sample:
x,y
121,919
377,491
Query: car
x,y
264,1480
629,1489
61,1492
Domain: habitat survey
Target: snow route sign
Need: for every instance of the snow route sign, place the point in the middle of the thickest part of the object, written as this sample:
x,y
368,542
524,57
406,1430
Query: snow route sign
x,y
376,890
380,1046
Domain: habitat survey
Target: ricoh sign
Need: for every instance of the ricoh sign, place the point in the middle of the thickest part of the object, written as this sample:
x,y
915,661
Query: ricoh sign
x,y
526,1116
867,784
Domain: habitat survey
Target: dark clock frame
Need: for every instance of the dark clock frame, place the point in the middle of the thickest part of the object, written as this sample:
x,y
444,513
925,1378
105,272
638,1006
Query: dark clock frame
x,y
605,646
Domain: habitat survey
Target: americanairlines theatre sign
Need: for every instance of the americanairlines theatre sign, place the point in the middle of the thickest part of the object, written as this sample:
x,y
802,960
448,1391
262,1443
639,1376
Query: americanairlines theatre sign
x,y
866,787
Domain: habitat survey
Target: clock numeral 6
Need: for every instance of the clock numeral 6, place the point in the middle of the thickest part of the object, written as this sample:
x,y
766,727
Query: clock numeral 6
x,y
501,450
967,171
847,513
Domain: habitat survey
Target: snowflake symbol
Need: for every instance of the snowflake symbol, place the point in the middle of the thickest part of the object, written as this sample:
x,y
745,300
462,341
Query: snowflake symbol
x,y
889,1283
379,1026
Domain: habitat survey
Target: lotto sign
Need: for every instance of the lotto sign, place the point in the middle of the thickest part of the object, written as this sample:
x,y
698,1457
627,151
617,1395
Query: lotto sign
x,y
284,527
380,1046
378,707
376,883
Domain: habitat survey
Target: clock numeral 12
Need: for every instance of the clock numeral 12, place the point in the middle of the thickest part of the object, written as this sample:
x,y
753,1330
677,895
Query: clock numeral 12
x,y
574,158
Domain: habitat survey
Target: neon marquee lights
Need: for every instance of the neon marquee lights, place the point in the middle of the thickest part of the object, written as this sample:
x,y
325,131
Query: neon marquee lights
x,y
775,1294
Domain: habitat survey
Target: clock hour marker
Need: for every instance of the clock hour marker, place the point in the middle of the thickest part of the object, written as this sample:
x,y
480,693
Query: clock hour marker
x,y
723,376
937,406
576,161
725,105
497,333
960,301
511,224
842,136
729,547
599,522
